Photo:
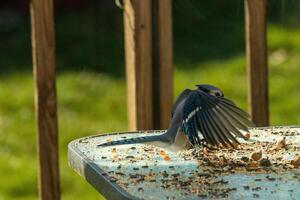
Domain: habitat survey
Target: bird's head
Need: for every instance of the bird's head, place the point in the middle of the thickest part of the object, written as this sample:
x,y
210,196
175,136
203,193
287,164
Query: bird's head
x,y
212,90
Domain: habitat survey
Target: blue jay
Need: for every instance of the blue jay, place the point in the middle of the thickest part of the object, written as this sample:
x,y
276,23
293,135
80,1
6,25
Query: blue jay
x,y
199,117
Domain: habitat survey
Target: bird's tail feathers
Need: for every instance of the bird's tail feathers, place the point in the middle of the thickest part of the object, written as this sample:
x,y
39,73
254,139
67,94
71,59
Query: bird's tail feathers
x,y
144,139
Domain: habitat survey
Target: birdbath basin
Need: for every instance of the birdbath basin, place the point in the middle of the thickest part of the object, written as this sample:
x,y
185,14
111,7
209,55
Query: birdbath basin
x,y
141,171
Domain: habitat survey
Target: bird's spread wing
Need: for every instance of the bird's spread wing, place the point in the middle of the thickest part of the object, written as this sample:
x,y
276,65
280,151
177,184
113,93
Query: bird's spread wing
x,y
181,97
217,119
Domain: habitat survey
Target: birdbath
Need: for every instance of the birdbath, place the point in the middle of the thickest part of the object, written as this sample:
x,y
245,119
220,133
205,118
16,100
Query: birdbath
x,y
264,167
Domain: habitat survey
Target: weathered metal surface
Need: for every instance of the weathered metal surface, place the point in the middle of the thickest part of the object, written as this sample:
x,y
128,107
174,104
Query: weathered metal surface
x,y
141,171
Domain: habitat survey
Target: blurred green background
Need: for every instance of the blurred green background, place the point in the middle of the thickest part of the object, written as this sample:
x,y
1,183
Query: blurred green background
x,y
208,48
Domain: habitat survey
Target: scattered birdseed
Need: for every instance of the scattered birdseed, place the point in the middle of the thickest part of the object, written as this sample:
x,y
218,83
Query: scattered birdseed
x,y
129,157
256,155
256,188
246,187
245,159
281,144
255,195
201,172
265,162
270,178
296,161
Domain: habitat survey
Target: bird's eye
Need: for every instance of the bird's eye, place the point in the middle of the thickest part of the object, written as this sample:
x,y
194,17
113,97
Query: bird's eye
x,y
216,93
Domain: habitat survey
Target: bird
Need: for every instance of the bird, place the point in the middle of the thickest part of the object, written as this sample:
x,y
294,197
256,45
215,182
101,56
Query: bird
x,y
199,117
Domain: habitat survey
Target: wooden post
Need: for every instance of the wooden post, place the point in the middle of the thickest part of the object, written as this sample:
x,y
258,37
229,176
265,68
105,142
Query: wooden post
x,y
149,62
162,62
43,51
138,56
256,50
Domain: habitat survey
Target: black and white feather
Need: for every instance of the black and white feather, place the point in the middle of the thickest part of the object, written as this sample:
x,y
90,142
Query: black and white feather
x,y
214,118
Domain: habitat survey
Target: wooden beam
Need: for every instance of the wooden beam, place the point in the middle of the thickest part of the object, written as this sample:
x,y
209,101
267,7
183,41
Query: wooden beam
x,y
138,59
162,62
43,51
257,66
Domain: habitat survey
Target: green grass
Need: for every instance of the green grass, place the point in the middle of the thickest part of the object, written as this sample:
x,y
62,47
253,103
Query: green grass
x,y
92,98
88,103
